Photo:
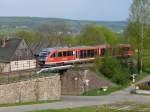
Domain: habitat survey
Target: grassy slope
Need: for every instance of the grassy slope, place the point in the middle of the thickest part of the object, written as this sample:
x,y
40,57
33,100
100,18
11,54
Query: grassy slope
x,y
120,107
100,92
83,109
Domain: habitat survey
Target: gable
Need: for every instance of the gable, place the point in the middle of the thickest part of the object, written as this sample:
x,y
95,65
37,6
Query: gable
x,y
15,49
22,52
7,52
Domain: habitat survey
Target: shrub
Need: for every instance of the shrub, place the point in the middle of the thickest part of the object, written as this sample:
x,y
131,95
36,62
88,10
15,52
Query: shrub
x,y
98,63
114,70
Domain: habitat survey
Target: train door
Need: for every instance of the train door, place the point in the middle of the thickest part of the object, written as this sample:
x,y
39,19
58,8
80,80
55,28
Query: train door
x,y
77,55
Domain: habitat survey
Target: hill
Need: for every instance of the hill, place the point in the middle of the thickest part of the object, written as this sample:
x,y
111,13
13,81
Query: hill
x,y
11,24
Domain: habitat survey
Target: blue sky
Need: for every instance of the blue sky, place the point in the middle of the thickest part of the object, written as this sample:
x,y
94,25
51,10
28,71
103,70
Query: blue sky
x,y
111,10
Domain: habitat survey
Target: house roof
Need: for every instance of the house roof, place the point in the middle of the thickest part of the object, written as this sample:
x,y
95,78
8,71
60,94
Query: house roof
x,y
146,79
8,51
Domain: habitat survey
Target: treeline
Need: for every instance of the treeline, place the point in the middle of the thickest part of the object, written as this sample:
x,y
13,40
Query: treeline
x,y
61,35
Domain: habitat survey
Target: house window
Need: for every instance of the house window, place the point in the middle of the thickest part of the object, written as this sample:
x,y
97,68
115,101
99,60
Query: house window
x,y
16,62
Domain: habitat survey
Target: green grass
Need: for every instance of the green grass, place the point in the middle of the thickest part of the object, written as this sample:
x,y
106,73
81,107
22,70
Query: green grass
x,y
100,92
118,107
28,103
83,109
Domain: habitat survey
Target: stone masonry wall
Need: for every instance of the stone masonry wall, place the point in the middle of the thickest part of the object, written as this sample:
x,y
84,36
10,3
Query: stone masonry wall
x,y
47,88
73,82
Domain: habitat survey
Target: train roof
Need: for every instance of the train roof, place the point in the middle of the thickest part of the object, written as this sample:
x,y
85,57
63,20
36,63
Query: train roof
x,y
81,47
60,48
53,48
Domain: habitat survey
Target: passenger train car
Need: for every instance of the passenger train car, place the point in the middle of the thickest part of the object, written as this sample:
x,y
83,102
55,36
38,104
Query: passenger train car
x,y
71,55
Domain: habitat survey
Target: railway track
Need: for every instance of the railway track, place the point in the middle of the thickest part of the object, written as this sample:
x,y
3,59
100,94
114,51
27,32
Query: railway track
x,y
64,67
49,69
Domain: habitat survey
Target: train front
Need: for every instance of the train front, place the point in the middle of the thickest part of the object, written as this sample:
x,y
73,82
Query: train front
x,y
43,56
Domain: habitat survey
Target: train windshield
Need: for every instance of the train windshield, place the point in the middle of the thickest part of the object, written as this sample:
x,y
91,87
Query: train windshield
x,y
44,54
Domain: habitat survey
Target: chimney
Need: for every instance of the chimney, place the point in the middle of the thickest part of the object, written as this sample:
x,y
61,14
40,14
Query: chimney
x,y
4,41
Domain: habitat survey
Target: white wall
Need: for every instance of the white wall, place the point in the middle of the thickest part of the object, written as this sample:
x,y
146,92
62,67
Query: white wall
x,y
22,65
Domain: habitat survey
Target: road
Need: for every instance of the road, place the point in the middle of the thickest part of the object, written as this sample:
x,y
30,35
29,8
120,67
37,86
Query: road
x,y
79,101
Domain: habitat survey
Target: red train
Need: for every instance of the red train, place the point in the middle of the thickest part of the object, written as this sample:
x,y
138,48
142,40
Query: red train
x,y
66,55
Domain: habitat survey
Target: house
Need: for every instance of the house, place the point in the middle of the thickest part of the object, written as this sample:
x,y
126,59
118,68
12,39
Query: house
x,y
15,55
143,86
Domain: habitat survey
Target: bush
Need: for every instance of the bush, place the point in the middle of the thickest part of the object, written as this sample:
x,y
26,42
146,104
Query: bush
x,y
114,70
98,63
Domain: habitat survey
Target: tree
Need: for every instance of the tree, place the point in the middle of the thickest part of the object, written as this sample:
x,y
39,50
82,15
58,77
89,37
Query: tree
x,y
113,69
54,33
28,36
97,63
95,35
139,21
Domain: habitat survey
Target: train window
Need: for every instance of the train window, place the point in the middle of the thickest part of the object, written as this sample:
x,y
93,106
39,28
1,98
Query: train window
x,y
88,53
92,53
53,55
70,53
126,49
59,54
65,53
81,54
85,53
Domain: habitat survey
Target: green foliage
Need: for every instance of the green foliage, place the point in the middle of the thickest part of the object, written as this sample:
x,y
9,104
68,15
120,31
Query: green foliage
x,y
110,37
60,35
114,70
28,36
98,63
132,34
138,30
95,35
